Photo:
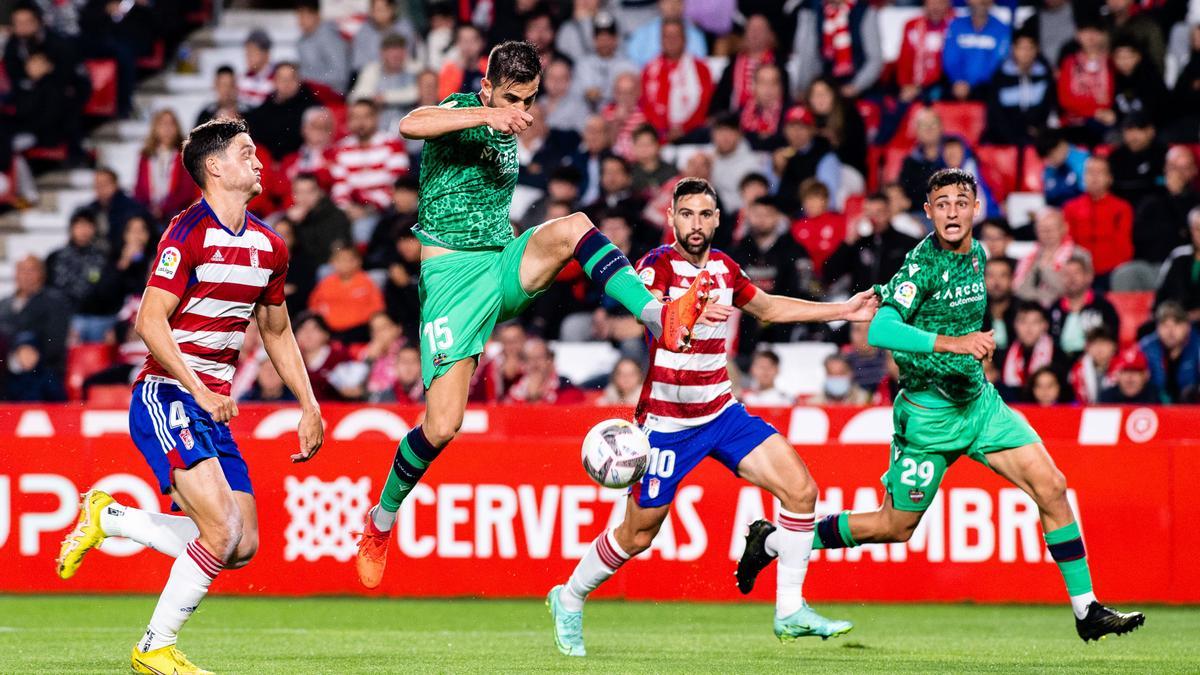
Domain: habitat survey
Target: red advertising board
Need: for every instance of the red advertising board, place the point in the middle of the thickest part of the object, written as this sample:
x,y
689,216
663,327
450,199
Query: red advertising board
x,y
507,510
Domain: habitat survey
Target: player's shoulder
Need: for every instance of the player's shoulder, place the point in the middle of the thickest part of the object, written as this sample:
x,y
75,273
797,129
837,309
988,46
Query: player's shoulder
x,y
186,224
722,260
657,256
461,100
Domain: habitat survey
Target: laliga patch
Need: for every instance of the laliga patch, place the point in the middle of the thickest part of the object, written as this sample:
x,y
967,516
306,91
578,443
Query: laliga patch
x,y
168,263
647,275
906,293
185,435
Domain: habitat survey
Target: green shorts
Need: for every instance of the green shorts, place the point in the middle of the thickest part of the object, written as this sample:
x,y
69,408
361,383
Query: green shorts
x,y
464,295
931,432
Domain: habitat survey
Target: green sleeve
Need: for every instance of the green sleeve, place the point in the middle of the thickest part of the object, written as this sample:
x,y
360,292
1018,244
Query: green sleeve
x,y
888,331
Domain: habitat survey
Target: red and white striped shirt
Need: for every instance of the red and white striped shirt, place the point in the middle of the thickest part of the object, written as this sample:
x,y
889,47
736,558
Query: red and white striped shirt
x,y
684,390
219,277
365,172
254,87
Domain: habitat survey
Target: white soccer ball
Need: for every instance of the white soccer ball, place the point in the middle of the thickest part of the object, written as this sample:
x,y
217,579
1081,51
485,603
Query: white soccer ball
x,y
615,453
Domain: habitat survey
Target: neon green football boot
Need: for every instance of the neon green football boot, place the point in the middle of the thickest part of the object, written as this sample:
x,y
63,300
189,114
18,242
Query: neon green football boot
x,y
804,622
568,626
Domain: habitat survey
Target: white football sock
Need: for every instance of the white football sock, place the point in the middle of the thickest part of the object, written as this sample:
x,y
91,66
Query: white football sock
x,y
603,558
383,519
1081,602
162,532
794,540
771,543
651,317
190,576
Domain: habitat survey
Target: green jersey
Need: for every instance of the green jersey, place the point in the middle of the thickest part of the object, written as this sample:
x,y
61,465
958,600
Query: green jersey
x,y
467,183
941,292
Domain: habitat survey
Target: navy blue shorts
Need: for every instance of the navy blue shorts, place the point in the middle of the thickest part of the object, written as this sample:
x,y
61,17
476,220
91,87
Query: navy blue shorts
x,y
173,432
728,438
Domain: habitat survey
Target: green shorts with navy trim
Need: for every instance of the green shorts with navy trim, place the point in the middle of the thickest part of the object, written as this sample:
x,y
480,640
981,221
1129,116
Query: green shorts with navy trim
x,y
932,432
464,295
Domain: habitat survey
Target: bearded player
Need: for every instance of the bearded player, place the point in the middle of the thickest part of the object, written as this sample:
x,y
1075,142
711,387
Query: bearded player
x,y
475,273
217,265
689,412
931,318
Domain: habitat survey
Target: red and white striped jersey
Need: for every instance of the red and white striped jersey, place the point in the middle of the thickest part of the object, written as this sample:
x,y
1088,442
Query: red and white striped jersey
x,y
365,172
685,390
219,277
256,87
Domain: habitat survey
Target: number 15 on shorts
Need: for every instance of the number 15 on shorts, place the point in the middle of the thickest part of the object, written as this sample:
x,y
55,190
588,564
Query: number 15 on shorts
x,y
437,333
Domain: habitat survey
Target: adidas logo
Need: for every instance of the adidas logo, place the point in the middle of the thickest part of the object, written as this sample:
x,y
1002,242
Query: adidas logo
x,y
217,257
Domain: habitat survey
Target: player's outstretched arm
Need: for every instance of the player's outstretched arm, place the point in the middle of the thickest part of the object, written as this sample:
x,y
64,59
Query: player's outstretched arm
x,y
153,326
783,309
432,121
889,331
275,327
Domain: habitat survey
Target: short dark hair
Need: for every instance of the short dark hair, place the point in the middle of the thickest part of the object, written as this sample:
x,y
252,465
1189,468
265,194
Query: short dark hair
x,y
753,177
108,171
567,173
947,177
619,160
515,61
728,121
307,316
877,197
692,186
394,40
407,181
1002,260
29,6
1099,333
1172,310
210,138
644,129
813,187
307,176
225,69
1047,141
1028,306
367,102
84,214
309,5
768,355
998,222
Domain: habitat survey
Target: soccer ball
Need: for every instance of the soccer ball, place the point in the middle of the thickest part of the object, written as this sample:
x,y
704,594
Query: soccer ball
x,y
615,453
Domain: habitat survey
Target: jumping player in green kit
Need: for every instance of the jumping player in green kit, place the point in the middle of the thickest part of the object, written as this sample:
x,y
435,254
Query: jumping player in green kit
x,y
475,273
930,317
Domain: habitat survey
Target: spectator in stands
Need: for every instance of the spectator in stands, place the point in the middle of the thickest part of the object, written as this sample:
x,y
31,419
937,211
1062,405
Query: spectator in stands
x,y
540,382
1090,374
1137,163
1045,389
131,262
347,298
113,207
538,30
324,56
1126,20
919,68
1080,309
497,373
564,108
1138,87
872,251
46,109
1039,275
227,103
400,291
1181,277
1085,87
1062,175
1100,221
368,161
30,35
268,387
839,387
381,23
33,329
926,156
1173,354
649,169
597,144
761,389
646,42
762,118
257,84
79,271
464,67
676,86
1161,222
596,72
751,187
901,209
957,155
407,388
735,91
1032,349
976,45
838,121
1185,97
624,385
869,364
1021,96
302,271
276,123
1053,24
390,80
331,367
315,155
562,187
774,261
1000,317
995,234
1133,383
818,229
399,216
733,159
380,355
616,189
18,190
623,115
318,222
438,44
163,186
806,155
839,39
575,38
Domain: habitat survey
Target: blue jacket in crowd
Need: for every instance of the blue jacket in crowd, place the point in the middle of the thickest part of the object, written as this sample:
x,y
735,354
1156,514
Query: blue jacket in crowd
x,y
1189,364
973,57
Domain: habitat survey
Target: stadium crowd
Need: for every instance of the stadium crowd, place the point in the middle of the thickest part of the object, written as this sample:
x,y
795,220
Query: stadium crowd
x,y
817,147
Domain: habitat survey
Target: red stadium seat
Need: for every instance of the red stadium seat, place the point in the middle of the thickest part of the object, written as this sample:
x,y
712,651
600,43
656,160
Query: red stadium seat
x,y
156,59
893,161
1032,169
964,119
853,208
998,168
103,102
1133,308
85,360
52,153
109,396
871,114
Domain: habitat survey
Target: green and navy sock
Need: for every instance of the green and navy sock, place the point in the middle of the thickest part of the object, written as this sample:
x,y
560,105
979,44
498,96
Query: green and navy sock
x,y
413,456
1066,547
834,532
609,269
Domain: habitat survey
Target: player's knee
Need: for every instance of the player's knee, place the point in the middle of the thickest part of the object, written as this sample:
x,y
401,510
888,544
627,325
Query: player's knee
x,y
799,497
901,529
224,538
569,229
440,429
244,553
1053,491
641,542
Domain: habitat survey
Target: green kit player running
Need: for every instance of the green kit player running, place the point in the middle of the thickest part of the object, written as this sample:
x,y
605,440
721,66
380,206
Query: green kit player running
x,y
930,317
474,272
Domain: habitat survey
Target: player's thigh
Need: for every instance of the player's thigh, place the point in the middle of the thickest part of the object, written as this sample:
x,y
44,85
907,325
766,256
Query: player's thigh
x,y
1031,468
204,494
776,467
549,249
446,402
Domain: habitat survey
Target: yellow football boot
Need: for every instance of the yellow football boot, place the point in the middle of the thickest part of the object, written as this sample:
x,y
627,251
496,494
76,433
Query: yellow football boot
x,y
164,661
86,535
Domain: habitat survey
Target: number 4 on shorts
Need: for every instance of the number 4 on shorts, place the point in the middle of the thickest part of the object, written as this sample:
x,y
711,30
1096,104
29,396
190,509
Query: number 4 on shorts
x,y
437,333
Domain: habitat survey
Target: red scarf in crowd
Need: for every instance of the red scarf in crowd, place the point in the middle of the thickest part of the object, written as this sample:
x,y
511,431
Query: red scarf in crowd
x,y
744,67
836,40
1018,365
761,121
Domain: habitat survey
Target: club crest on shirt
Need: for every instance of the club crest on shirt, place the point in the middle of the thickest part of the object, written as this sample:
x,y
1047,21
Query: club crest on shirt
x,y
254,257
168,263
906,293
652,488
185,435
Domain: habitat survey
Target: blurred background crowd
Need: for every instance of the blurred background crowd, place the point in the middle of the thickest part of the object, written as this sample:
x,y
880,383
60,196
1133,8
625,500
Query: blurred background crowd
x,y
817,121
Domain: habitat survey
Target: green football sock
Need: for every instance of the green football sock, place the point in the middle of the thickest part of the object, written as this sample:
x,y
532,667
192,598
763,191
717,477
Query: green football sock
x,y
413,457
609,269
1066,547
833,531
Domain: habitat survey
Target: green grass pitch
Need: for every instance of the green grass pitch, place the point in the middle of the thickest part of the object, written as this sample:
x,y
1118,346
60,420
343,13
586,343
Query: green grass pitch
x,y
93,634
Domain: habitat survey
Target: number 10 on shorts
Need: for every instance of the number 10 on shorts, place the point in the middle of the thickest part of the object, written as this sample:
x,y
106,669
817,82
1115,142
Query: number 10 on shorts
x,y
437,333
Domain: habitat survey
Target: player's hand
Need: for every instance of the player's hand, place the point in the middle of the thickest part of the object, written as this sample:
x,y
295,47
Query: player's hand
x,y
220,408
509,120
980,345
862,306
714,314
312,435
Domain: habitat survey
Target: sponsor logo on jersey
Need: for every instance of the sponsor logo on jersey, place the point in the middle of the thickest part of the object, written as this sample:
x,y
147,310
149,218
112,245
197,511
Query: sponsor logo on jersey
x,y
185,435
946,275
168,263
254,257
913,269
217,257
647,275
906,293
